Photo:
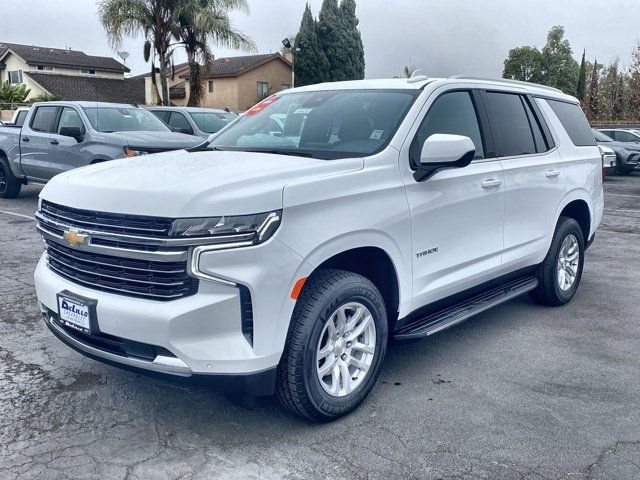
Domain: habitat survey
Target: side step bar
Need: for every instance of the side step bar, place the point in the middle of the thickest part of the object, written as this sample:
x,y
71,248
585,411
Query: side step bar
x,y
459,312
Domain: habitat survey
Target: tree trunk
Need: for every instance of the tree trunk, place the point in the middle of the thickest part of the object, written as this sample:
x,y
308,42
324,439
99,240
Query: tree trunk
x,y
194,78
163,79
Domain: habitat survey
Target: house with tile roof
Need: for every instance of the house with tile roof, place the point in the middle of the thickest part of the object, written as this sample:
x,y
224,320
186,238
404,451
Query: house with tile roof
x,y
70,74
236,83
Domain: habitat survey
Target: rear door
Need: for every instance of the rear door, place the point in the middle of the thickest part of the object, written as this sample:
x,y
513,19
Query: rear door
x,y
66,152
35,142
533,173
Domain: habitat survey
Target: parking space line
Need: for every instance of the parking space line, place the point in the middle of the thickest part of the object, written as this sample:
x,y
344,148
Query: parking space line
x,y
18,215
621,195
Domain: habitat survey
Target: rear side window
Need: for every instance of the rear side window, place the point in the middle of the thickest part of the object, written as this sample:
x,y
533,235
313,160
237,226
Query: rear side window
x,y
43,119
452,113
161,114
510,124
574,122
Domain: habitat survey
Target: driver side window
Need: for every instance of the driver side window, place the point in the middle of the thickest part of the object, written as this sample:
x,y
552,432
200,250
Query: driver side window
x,y
452,113
70,118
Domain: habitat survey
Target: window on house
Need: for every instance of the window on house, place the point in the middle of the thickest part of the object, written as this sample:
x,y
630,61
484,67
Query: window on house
x,y
87,71
45,68
210,86
15,76
263,90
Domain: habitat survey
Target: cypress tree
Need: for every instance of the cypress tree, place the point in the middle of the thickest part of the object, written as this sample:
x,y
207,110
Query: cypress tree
x,y
334,41
594,100
310,62
354,69
582,78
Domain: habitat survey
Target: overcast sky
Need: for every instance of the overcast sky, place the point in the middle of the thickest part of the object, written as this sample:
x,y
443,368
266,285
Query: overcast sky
x,y
442,37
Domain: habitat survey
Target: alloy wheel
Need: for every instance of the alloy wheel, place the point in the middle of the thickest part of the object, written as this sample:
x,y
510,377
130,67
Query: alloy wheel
x,y
568,263
346,349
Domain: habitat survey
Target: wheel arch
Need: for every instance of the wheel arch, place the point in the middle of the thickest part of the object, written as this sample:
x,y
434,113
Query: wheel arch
x,y
577,207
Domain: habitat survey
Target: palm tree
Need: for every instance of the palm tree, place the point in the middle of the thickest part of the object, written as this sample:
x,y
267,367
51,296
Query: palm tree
x,y
203,21
154,19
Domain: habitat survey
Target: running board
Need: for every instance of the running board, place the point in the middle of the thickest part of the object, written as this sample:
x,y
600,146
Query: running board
x,y
452,315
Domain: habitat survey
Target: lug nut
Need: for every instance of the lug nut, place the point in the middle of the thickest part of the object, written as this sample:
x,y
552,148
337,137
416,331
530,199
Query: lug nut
x,y
344,356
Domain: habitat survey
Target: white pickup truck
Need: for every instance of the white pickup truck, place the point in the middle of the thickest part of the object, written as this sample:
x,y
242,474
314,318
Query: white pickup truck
x,y
285,254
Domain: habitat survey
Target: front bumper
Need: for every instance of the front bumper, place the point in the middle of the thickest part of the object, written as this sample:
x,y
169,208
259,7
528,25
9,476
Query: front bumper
x,y
203,332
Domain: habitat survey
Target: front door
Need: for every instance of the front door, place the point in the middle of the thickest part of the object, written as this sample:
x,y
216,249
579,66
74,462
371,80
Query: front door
x,y
66,152
457,215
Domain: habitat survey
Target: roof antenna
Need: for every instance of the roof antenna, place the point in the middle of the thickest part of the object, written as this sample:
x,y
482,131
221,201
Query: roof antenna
x,y
415,77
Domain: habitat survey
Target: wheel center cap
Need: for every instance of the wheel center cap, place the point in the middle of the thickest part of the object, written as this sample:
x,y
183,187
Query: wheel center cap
x,y
340,347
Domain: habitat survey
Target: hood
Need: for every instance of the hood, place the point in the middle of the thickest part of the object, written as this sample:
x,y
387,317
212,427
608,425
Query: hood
x,y
616,146
154,141
184,184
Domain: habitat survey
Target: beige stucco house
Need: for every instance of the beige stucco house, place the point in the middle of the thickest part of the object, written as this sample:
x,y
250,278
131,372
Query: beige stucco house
x,y
236,83
71,74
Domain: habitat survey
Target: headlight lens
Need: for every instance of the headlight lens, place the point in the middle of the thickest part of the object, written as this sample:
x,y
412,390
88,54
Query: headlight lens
x,y
129,152
261,225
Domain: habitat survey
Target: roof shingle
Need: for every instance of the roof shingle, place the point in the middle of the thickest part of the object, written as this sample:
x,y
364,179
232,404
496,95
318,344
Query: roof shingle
x,y
35,55
234,66
94,89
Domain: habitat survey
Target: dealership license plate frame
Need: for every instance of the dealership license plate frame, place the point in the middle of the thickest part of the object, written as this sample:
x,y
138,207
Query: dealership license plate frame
x,y
88,327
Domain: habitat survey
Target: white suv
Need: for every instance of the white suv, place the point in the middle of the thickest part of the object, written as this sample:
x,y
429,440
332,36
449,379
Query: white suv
x,y
286,253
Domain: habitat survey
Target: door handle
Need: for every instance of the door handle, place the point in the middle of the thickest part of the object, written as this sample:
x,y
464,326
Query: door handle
x,y
25,139
54,142
494,182
552,173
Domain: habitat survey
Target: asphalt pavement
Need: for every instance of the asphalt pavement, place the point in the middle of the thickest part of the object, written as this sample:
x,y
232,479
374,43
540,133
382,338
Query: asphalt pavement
x,y
518,392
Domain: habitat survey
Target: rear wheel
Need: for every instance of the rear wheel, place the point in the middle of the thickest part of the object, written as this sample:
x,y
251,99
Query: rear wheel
x,y
560,273
335,347
9,185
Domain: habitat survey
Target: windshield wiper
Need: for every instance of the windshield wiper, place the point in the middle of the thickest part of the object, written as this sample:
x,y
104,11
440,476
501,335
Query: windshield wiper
x,y
292,153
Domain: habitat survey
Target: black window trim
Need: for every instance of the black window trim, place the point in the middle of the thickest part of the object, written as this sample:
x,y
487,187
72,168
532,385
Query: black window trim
x,y
185,116
542,123
55,118
483,125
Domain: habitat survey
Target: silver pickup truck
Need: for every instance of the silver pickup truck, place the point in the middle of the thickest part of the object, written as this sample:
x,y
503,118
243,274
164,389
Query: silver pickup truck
x,y
60,136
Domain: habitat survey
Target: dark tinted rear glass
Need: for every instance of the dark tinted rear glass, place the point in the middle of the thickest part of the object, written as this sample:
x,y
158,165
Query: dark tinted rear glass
x,y
43,119
574,122
509,124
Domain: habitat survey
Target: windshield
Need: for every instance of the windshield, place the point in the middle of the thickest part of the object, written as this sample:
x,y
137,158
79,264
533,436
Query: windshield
x,y
327,125
124,119
601,137
212,122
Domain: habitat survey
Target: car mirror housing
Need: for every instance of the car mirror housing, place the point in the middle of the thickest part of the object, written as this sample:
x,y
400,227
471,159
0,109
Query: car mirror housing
x,y
443,151
74,132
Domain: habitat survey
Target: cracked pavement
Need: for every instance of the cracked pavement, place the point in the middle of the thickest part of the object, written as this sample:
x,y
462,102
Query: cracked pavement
x,y
518,392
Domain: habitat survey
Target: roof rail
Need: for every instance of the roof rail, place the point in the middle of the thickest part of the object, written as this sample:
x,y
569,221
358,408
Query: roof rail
x,y
507,81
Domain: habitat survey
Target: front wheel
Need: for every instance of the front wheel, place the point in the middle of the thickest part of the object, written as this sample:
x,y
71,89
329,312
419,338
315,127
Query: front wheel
x,y
560,273
335,347
9,185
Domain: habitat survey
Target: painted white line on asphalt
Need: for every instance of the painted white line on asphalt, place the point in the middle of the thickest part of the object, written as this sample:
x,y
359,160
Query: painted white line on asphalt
x,y
621,195
621,210
18,215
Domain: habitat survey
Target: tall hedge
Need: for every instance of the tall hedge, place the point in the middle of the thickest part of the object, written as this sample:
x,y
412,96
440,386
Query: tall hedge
x,y
310,62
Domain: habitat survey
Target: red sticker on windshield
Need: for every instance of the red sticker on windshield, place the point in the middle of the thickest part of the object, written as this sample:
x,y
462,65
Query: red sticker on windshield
x,y
261,106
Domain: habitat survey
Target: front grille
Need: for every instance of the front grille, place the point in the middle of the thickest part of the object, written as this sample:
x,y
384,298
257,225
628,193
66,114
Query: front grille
x,y
152,280
136,225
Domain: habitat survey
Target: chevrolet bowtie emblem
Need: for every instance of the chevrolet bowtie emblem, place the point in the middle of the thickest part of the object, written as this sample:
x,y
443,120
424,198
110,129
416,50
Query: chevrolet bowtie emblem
x,y
74,238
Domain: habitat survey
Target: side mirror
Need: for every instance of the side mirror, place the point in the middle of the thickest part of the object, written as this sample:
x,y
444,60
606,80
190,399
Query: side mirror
x,y
73,132
443,151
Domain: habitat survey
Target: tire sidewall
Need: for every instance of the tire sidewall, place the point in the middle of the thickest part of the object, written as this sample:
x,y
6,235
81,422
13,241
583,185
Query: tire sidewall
x,y
352,292
570,227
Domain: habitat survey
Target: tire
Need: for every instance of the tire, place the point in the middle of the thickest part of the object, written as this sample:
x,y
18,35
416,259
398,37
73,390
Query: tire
x,y
299,387
10,186
553,287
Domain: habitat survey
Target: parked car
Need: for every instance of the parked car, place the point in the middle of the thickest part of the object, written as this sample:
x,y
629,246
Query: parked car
x,y
608,159
627,154
19,116
624,135
59,136
285,261
201,122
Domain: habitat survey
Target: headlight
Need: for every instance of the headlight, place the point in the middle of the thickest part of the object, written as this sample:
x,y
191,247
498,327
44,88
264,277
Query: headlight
x,y
256,228
129,152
